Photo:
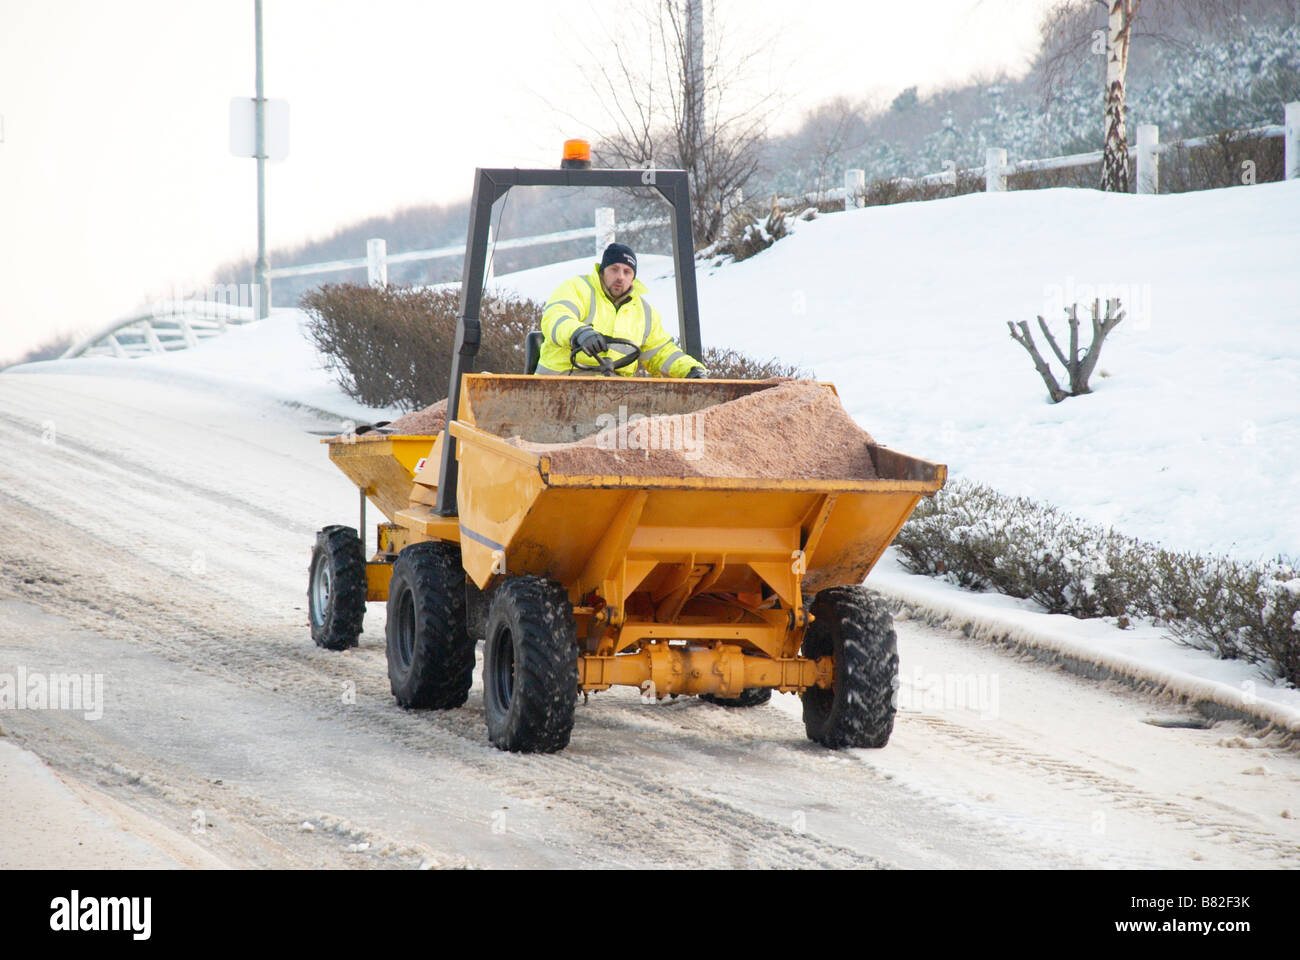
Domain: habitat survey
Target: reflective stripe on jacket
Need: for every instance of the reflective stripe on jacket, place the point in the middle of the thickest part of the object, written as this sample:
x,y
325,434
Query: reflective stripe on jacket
x,y
582,300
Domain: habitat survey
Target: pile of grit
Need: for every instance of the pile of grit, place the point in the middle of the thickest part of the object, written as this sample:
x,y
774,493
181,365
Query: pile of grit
x,y
429,422
794,429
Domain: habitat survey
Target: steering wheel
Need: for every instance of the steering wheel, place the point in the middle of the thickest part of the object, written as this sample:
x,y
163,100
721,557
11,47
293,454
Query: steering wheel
x,y
604,364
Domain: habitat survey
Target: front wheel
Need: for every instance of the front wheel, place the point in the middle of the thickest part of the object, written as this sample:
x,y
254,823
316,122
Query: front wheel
x,y
855,627
336,588
530,666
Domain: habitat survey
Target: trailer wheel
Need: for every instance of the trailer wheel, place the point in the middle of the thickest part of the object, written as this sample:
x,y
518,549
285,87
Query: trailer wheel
x,y
530,666
749,697
430,656
853,625
336,588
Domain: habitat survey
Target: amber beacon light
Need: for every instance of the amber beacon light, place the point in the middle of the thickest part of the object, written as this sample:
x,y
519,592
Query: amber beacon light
x,y
577,155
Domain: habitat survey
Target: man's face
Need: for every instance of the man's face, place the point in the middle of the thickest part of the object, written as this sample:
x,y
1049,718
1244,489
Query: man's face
x,y
618,279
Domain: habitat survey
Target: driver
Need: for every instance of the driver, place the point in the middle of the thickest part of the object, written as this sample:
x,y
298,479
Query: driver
x,y
609,302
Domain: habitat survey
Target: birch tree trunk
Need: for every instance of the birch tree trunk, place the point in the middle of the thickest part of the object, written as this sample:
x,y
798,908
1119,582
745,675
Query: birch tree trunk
x,y
1114,162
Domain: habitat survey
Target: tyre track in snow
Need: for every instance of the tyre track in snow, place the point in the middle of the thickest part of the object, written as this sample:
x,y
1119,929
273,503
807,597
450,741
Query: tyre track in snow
x,y
1072,776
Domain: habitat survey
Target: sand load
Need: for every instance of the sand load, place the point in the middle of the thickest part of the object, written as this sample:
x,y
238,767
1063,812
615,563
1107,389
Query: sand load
x,y
794,429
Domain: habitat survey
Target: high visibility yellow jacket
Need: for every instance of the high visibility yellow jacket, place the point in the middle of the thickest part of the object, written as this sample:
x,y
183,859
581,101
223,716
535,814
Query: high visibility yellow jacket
x,y
582,300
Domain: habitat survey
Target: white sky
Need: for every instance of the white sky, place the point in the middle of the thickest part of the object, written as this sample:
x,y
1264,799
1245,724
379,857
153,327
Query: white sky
x,y
116,182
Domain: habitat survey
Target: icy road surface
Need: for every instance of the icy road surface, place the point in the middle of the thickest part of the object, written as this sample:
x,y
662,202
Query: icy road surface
x,y
158,534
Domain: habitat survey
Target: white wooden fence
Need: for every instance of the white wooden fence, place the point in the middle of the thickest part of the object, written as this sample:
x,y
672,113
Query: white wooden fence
x,y
167,326
1147,153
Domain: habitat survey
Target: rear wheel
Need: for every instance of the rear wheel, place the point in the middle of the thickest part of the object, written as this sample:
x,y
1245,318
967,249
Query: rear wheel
x,y
854,626
430,655
530,666
336,588
749,697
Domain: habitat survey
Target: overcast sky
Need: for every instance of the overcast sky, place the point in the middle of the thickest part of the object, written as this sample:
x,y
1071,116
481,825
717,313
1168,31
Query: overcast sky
x,y
116,182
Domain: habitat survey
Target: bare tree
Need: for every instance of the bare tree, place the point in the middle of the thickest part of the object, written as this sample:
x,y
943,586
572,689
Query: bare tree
x,y
1114,151
673,102
830,132
1072,33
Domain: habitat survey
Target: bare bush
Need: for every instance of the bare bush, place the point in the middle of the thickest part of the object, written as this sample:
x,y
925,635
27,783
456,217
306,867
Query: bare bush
x,y
392,346
1078,368
1230,159
884,192
724,363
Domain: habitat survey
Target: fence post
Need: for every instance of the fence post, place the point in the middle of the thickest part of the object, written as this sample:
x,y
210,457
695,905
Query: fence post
x,y
1148,159
377,262
995,181
855,185
604,229
1291,151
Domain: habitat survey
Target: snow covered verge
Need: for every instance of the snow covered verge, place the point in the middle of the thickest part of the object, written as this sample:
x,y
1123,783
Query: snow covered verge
x,y
1142,655
976,538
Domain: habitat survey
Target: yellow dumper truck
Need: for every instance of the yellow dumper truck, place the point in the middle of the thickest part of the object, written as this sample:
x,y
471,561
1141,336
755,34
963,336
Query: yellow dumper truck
x,y
680,583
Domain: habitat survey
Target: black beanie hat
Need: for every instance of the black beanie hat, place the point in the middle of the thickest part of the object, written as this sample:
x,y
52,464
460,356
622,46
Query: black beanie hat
x,y
619,253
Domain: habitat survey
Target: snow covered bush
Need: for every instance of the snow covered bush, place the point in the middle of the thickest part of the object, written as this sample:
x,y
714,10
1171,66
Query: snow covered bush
x,y
977,538
747,236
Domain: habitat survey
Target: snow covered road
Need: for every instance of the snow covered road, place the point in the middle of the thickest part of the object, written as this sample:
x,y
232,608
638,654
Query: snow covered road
x,y
158,534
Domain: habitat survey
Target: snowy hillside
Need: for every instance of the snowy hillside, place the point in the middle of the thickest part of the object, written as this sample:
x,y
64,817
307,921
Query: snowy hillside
x,y
1192,436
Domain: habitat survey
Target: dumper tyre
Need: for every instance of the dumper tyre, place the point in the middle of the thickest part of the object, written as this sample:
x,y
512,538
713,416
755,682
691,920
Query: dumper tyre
x,y
855,627
530,666
336,588
430,654
749,697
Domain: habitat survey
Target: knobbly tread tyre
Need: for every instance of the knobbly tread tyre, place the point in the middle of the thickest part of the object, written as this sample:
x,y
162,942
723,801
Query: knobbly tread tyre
x,y
749,697
339,624
529,698
854,625
430,655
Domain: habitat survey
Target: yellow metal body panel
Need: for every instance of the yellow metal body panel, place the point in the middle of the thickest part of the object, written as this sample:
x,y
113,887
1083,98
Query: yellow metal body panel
x,y
692,584
378,575
382,466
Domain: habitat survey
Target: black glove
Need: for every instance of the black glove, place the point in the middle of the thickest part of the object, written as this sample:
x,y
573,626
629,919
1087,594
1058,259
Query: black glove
x,y
696,373
589,342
